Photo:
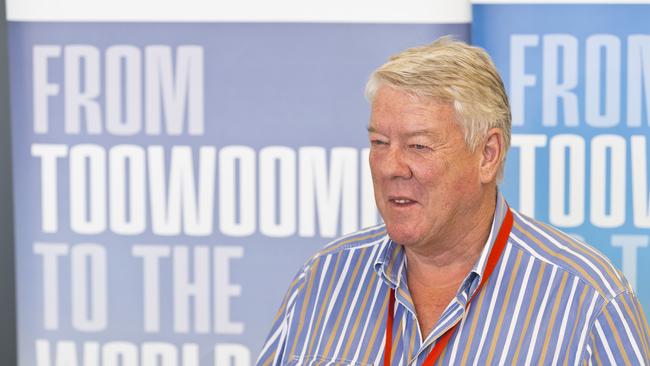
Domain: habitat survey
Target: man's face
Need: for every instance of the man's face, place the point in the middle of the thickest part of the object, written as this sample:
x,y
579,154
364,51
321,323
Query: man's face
x,y
426,179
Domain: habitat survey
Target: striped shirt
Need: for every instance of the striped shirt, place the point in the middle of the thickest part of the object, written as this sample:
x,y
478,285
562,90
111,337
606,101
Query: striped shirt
x,y
550,300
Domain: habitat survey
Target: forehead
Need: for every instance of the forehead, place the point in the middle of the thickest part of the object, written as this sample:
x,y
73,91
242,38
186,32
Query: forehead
x,y
396,109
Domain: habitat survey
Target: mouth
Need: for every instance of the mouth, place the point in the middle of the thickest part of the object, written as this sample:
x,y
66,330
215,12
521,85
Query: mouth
x,y
401,201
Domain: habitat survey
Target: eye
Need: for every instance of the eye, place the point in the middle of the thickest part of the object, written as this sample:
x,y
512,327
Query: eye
x,y
378,142
419,147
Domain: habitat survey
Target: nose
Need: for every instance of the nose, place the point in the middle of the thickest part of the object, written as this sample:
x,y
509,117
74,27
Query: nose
x,y
395,164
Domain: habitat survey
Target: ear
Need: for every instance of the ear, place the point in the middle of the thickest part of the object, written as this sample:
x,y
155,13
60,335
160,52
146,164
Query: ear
x,y
492,151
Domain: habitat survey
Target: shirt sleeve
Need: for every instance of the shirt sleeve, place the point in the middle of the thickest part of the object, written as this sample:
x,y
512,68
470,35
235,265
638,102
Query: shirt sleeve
x,y
273,351
619,335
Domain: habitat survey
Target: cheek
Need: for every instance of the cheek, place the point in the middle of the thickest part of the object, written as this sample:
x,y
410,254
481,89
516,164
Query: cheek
x,y
377,162
464,182
439,181
373,158
375,175
428,171
374,169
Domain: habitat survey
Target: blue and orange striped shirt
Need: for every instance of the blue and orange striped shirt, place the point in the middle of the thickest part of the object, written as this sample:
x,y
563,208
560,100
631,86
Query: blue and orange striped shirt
x,y
550,300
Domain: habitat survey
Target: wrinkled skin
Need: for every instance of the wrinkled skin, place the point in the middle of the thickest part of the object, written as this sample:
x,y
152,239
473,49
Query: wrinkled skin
x,y
429,187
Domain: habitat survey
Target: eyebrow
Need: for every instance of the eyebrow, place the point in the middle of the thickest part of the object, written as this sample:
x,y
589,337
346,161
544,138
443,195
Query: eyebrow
x,y
409,134
422,132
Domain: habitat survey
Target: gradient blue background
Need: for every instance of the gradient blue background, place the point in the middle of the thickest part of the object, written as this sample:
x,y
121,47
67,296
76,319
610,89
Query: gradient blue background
x,y
265,84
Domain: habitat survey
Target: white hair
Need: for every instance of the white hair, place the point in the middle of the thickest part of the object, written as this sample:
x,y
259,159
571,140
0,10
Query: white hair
x,y
452,72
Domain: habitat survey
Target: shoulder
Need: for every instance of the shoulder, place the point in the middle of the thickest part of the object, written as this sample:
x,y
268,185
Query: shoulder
x,y
333,261
568,254
363,241
361,245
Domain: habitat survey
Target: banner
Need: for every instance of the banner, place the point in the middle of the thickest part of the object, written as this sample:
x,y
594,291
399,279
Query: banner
x,y
174,167
578,79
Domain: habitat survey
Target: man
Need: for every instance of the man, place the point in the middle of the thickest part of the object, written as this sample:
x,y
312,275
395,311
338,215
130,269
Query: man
x,y
454,277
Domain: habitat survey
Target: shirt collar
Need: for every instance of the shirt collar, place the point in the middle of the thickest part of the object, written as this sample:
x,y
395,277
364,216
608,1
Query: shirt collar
x,y
391,260
497,220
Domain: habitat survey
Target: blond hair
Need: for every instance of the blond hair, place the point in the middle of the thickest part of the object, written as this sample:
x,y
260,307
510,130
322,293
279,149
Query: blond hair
x,y
452,72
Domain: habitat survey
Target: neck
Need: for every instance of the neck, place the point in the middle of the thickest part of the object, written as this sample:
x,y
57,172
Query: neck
x,y
450,259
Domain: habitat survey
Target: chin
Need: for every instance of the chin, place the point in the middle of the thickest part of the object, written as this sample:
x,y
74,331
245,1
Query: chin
x,y
403,235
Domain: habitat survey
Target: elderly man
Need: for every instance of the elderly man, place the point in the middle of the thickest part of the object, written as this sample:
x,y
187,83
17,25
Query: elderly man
x,y
454,277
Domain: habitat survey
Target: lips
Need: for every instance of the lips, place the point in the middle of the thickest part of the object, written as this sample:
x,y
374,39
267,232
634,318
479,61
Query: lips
x,y
401,201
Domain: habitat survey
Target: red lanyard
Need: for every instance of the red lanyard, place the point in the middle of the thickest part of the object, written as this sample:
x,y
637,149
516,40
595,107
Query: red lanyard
x,y
493,259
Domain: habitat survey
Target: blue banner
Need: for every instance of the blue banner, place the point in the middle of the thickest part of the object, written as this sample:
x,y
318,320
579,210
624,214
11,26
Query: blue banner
x,y
578,78
170,178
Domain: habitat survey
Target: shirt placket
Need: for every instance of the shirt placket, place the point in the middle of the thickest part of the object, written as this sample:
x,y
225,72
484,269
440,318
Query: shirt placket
x,y
403,299
450,316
